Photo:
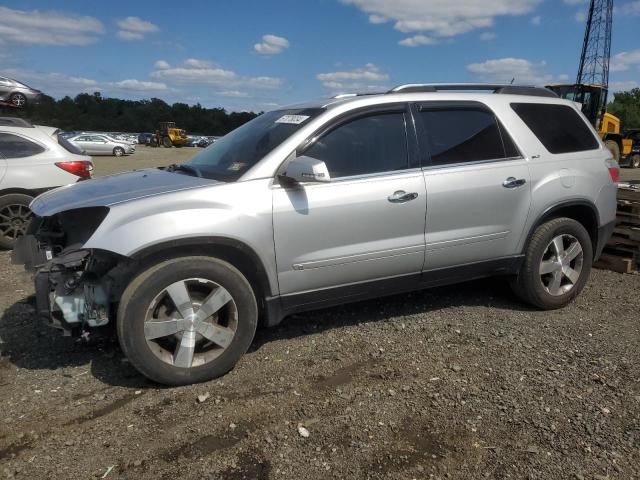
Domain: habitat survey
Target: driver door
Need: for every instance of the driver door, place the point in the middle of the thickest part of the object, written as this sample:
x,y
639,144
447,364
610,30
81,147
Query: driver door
x,y
367,223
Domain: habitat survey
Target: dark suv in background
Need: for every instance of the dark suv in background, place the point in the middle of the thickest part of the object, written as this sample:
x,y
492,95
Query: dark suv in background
x,y
633,159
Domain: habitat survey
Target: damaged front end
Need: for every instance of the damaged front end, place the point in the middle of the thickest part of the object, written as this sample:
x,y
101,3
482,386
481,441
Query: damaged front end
x,y
76,288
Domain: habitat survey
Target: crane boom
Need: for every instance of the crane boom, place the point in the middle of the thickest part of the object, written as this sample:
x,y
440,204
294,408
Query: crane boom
x,y
596,48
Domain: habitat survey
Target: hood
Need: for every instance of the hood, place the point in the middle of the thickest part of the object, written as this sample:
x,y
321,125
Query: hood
x,y
107,191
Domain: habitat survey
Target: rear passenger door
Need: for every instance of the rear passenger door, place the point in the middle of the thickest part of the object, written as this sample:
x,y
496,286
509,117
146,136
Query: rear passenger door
x,y
478,184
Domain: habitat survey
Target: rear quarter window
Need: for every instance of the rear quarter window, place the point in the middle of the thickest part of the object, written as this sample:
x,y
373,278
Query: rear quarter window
x,y
14,146
558,127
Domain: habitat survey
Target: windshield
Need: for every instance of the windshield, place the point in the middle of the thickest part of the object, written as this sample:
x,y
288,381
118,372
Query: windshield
x,y
232,155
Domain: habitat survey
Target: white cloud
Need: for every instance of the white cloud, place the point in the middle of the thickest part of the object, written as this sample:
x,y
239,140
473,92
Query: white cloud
x,y
161,65
202,72
59,84
417,40
488,36
271,45
574,2
631,8
133,84
47,27
522,71
370,77
537,20
624,85
624,60
580,16
135,28
441,18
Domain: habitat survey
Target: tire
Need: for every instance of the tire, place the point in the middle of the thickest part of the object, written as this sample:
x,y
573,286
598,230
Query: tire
x,y
533,287
146,300
613,146
635,161
118,152
14,218
166,142
18,100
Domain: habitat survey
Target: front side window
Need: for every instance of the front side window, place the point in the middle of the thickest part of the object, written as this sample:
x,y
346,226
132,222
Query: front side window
x,y
372,144
13,146
464,134
558,127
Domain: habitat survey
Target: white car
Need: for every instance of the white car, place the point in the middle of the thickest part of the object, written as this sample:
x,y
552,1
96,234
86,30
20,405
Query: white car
x,y
102,144
33,159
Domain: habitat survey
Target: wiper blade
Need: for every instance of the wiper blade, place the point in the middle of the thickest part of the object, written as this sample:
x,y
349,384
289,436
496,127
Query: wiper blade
x,y
184,168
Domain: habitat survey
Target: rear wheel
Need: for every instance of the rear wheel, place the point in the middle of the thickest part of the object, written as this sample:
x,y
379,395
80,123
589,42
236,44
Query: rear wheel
x,y
187,320
556,266
14,218
613,146
166,141
118,151
635,161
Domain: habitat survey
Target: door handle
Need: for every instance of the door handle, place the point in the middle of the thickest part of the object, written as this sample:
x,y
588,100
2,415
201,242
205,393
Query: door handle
x,y
512,182
402,197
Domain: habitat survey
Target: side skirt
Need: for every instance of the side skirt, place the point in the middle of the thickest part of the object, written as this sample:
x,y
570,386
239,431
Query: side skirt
x,y
277,308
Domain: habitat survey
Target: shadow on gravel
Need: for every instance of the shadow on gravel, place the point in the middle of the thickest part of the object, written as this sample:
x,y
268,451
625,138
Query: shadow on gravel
x,y
30,345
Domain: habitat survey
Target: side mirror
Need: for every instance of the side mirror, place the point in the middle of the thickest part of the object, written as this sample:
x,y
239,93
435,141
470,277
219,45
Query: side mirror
x,y
307,169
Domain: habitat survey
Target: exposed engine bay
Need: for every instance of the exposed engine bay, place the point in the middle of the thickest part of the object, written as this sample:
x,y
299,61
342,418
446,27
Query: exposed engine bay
x,y
76,288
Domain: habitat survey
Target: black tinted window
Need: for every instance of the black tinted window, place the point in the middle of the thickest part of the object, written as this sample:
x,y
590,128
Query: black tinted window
x,y
459,135
13,146
373,144
558,127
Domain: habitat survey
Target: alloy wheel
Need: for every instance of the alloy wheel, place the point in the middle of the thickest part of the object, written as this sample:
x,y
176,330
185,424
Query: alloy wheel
x,y
18,100
14,220
561,264
191,322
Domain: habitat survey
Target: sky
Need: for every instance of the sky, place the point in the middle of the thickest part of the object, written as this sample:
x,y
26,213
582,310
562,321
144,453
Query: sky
x,y
262,54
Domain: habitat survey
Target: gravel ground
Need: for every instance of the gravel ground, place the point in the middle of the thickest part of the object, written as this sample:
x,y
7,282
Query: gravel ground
x,y
459,382
456,382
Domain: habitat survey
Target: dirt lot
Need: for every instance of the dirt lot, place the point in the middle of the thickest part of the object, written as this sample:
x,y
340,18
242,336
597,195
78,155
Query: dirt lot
x,y
145,157
460,382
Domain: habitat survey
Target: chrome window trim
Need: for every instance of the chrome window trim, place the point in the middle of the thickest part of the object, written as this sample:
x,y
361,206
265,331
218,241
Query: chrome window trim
x,y
477,162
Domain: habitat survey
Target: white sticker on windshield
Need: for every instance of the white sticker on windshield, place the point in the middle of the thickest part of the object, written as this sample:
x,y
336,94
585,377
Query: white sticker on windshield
x,y
292,119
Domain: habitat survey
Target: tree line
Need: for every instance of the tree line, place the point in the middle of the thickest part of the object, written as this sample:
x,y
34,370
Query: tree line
x,y
626,106
96,113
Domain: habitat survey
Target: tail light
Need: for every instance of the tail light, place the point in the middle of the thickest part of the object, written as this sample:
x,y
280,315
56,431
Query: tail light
x,y
81,168
614,170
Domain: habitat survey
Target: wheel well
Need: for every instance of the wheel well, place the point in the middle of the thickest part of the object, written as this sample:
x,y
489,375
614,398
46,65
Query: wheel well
x,y
236,253
23,191
583,213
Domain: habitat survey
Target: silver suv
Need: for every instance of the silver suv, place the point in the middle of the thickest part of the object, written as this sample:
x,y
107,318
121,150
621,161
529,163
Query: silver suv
x,y
320,204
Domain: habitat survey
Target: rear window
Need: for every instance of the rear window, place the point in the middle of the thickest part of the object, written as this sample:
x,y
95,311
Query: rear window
x,y
14,146
559,127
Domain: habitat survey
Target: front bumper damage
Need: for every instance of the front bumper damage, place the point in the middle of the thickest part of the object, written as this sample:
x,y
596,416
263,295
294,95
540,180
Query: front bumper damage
x,y
77,289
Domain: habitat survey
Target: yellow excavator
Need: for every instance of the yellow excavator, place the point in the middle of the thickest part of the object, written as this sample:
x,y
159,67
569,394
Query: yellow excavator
x,y
168,135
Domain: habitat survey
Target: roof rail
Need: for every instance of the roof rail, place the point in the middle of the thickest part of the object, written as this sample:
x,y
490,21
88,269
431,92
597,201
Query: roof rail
x,y
492,87
15,122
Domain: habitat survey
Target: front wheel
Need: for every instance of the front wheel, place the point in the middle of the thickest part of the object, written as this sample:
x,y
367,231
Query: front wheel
x,y
118,152
167,143
557,264
187,320
635,161
14,218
